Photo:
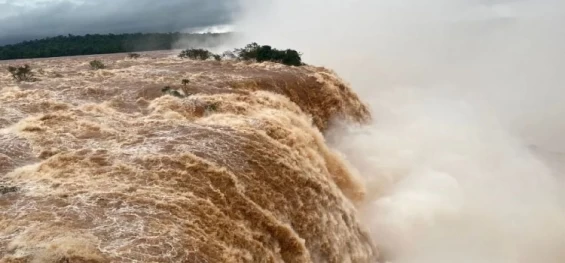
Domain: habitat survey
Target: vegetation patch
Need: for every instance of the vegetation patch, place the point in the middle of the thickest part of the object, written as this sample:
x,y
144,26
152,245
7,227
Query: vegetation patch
x,y
251,52
196,54
8,189
168,90
260,53
213,107
134,55
97,64
22,73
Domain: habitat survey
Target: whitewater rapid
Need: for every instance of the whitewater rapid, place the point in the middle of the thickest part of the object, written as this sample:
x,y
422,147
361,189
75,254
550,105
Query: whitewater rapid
x,y
99,166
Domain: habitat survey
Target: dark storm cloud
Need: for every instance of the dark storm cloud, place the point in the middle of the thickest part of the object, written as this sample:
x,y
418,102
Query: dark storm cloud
x,y
52,18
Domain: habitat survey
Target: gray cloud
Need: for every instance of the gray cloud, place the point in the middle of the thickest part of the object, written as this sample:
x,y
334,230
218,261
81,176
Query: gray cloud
x,y
52,18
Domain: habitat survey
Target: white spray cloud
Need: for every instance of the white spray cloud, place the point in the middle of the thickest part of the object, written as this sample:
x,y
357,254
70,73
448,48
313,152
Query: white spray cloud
x,y
459,90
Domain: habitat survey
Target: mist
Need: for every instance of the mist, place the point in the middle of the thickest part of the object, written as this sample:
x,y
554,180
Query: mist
x,y
466,98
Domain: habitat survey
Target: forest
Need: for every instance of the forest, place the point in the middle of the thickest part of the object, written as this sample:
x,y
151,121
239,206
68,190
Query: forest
x,y
72,45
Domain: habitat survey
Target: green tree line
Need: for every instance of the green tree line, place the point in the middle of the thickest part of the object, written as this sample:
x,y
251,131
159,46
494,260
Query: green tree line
x,y
72,45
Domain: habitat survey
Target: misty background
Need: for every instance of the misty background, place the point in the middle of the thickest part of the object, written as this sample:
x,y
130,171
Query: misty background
x,y
464,159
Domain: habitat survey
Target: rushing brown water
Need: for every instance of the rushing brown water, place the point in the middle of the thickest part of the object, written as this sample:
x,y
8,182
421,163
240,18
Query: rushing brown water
x,y
101,166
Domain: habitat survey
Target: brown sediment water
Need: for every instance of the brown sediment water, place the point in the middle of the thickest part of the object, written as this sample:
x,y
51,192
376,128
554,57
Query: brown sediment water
x,y
101,166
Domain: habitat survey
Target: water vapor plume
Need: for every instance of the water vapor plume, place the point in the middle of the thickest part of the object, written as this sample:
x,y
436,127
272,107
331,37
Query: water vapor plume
x,y
460,91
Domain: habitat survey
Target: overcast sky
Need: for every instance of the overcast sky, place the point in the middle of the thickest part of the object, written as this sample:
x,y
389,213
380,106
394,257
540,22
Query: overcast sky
x,y
30,19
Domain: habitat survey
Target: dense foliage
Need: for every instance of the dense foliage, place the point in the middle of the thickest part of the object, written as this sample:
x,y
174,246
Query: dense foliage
x,y
260,53
253,51
196,53
104,44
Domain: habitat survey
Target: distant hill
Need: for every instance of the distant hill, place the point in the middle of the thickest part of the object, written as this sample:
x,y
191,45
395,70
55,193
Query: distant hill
x,y
72,45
